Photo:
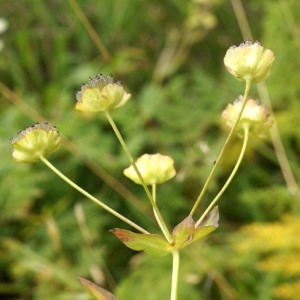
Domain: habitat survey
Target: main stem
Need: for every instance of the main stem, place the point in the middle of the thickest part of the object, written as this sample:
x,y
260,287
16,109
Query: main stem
x,y
85,193
157,213
238,163
209,178
175,273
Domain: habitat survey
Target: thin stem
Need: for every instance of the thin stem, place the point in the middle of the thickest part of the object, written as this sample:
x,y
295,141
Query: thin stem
x,y
175,273
158,217
242,19
154,192
85,193
157,213
91,31
233,173
246,93
280,152
128,154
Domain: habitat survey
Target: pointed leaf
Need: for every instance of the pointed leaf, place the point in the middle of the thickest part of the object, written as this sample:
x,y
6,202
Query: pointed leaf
x,y
152,244
183,233
212,219
208,225
201,232
96,291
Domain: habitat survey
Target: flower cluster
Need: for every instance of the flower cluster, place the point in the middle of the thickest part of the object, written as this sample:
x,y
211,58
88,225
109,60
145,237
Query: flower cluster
x,y
101,94
35,141
154,169
249,61
255,116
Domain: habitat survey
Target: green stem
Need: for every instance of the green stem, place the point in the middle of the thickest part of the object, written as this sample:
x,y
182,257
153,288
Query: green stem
x,y
91,30
208,180
83,192
175,273
280,151
154,192
154,199
158,216
238,163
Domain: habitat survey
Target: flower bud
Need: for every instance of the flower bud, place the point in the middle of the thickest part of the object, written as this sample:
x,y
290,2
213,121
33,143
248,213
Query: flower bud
x,y
255,116
249,61
35,141
101,94
154,168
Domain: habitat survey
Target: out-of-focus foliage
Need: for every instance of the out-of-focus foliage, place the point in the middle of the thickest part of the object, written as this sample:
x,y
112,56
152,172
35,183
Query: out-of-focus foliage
x,y
275,254
169,56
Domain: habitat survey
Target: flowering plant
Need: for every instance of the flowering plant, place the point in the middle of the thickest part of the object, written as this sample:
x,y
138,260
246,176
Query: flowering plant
x,y
248,62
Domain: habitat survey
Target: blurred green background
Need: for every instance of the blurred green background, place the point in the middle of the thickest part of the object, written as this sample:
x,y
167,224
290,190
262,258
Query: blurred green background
x,y
169,56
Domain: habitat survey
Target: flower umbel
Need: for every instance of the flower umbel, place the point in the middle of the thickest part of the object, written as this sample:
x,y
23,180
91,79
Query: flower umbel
x,y
255,116
101,94
35,141
249,61
154,169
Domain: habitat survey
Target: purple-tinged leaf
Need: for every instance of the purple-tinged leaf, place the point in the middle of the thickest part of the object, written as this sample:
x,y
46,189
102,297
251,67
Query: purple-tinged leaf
x,y
209,224
201,232
94,290
152,244
212,219
183,233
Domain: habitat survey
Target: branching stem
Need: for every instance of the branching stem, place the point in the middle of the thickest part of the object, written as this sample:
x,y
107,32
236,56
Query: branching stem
x,y
89,196
210,176
157,213
233,173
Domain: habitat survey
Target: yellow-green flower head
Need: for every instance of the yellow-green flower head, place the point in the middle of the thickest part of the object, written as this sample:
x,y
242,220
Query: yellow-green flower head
x,y
101,94
35,141
154,168
249,61
255,116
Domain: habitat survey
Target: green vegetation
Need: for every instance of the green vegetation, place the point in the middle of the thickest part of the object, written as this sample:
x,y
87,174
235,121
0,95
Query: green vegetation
x,y
169,55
